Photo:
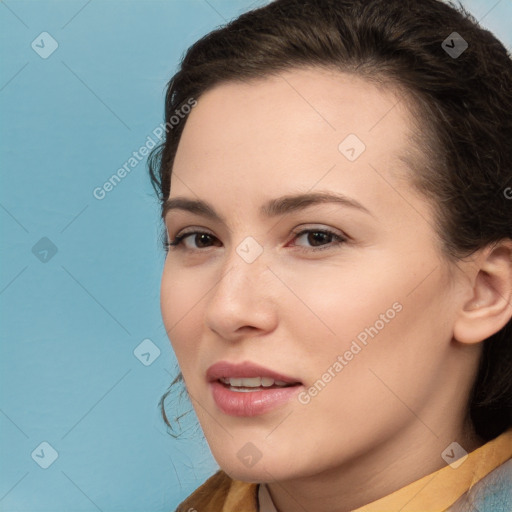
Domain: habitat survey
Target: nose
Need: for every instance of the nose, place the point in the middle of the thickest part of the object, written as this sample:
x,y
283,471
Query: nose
x,y
243,301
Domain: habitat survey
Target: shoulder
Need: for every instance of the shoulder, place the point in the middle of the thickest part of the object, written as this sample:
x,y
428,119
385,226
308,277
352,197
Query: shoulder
x,y
491,494
221,493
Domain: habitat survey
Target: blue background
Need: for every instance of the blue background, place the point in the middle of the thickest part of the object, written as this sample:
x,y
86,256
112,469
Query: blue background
x,y
80,276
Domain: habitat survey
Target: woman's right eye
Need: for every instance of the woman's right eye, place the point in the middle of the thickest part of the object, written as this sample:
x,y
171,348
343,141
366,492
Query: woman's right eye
x,y
199,237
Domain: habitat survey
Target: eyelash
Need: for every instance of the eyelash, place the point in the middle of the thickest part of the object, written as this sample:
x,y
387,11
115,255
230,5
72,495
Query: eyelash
x,y
177,243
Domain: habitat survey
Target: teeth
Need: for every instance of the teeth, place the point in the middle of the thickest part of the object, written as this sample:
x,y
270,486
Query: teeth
x,y
253,382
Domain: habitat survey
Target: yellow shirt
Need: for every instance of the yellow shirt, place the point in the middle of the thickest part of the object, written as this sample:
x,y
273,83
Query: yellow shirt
x,y
485,475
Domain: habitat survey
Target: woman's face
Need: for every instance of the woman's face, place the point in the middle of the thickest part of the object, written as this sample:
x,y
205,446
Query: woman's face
x,y
362,318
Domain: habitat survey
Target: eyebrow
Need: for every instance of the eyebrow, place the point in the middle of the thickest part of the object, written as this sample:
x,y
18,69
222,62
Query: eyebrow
x,y
273,208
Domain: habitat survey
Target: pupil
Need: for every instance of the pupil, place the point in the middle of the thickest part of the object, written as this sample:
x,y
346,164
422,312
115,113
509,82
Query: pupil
x,y
202,237
321,237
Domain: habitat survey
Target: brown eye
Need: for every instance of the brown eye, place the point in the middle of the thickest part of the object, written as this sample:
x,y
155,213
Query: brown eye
x,y
200,238
320,239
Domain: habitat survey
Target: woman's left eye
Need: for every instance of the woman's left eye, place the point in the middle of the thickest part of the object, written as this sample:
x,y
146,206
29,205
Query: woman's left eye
x,y
322,237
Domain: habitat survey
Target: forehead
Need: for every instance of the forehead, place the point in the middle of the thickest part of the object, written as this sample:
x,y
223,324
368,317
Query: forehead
x,y
297,111
295,131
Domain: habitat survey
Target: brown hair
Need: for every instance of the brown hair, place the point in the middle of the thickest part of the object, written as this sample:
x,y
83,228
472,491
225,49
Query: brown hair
x,y
462,134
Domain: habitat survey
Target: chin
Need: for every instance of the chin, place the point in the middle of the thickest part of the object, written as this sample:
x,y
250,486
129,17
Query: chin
x,y
262,471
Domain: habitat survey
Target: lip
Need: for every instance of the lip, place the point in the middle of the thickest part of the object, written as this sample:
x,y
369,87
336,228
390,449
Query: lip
x,y
250,403
246,369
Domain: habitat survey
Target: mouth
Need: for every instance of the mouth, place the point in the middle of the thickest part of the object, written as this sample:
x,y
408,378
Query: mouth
x,y
248,389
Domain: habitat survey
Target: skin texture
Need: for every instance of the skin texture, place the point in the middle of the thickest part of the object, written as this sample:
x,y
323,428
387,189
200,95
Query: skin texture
x,y
384,420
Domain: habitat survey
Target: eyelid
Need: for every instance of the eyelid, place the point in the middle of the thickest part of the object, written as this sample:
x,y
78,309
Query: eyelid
x,y
191,230
296,231
307,227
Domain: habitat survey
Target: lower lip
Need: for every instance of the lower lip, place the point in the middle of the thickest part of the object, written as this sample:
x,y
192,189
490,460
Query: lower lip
x,y
251,403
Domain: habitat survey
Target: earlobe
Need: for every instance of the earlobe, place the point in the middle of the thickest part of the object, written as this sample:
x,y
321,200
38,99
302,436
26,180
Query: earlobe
x,y
489,308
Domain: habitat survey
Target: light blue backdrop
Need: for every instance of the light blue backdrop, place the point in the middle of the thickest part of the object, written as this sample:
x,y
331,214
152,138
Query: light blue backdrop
x,y
80,275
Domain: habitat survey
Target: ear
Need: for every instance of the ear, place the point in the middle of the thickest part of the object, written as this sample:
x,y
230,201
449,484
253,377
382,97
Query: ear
x,y
489,307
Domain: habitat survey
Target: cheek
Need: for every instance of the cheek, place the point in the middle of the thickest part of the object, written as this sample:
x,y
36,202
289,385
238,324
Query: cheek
x,y
340,301
391,336
181,296
379,315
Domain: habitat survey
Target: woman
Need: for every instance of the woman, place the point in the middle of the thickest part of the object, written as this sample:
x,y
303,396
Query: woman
x,y
335,185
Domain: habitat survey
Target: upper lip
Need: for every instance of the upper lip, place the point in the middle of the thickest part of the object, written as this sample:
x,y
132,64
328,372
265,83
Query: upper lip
x,y
225,369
